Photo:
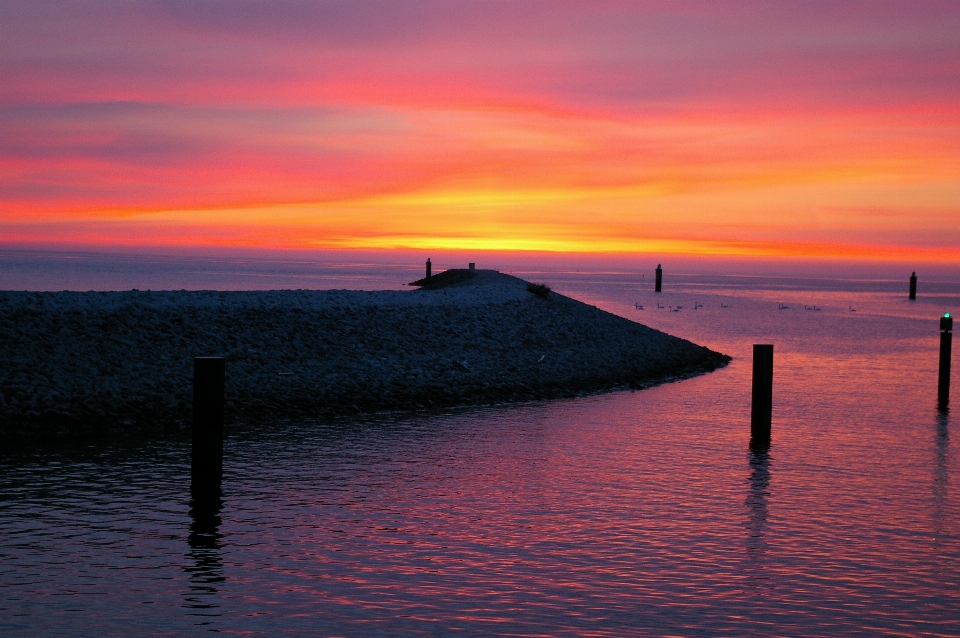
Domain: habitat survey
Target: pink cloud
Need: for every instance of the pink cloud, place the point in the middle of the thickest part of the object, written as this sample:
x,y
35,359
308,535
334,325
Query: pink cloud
x,y
120,106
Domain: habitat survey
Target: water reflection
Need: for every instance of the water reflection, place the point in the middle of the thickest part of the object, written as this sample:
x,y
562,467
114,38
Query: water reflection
x,y
940,473
205,559
557,519
756,502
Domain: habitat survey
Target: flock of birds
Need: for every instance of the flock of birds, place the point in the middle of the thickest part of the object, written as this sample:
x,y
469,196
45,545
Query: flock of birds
x,y
697,305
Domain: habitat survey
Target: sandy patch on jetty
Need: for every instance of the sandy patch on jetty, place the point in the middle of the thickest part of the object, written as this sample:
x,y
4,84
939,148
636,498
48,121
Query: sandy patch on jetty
x,y
124,359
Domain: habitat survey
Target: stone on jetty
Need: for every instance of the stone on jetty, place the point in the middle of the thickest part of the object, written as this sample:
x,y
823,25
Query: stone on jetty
x,y
114,360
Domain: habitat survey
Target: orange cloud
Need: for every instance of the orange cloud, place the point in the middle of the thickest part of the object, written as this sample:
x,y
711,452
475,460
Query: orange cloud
x,y
572,126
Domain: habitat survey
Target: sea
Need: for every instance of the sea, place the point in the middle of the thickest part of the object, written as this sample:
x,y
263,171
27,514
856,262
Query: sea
x,y
632,513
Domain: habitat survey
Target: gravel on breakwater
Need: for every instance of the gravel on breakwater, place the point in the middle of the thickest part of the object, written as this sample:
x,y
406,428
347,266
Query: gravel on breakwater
x,y
79,361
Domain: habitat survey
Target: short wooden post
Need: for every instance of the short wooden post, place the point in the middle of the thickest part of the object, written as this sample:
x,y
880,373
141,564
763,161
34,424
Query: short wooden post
x,y
761,410
913,286
206,466
472,266
946,343
428,268
659,282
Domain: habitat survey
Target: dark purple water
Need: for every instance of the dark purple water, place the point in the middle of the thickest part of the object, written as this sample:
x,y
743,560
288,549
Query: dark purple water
x,y
633,513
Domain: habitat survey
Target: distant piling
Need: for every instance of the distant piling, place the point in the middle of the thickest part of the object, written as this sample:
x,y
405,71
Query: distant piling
x,y
473,266
946,343
206,466
428,268
913,286
659,283
761,411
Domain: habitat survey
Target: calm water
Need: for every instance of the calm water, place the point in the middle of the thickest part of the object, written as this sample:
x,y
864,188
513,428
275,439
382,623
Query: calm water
x,y
49,270
634,513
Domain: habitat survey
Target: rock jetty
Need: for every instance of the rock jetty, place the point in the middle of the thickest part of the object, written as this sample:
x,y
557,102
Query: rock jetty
x,y
112,360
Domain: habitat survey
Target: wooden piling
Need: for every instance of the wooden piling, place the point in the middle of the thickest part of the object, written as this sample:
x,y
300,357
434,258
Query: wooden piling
x,y
428,268
761,410
206,463
659,281
913,286
946,343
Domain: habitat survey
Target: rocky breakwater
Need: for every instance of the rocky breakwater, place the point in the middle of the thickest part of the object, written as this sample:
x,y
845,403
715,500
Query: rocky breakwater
x,y
112,360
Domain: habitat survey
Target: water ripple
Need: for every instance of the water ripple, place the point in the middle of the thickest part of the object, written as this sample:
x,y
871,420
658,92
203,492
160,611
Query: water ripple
x,y
635,513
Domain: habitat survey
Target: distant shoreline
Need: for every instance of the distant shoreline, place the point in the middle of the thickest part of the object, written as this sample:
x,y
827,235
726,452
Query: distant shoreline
x,y
111,361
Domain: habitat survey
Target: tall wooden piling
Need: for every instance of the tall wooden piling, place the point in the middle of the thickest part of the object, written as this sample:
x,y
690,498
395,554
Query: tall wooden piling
x,y
913,286
206,462
946,343
659,282
428,268
761,410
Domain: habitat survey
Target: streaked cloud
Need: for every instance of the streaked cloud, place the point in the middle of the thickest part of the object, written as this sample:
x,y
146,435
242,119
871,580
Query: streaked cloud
x,y
598,126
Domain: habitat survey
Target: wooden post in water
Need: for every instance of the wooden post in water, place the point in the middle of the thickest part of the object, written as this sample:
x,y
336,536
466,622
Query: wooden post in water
x,y
761,410
946,343
913,286
206,462
659,282
428,268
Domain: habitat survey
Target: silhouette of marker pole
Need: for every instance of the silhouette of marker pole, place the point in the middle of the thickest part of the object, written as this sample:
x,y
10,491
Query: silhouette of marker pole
x,y
428,268
206,462
659,282
913,286
946,343
761,410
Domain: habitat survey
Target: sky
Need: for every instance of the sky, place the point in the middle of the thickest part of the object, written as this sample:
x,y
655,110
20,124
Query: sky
x,y
796,129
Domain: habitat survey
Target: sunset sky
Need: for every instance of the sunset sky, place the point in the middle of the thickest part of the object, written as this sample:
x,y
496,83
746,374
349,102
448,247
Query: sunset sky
x,y
730,128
